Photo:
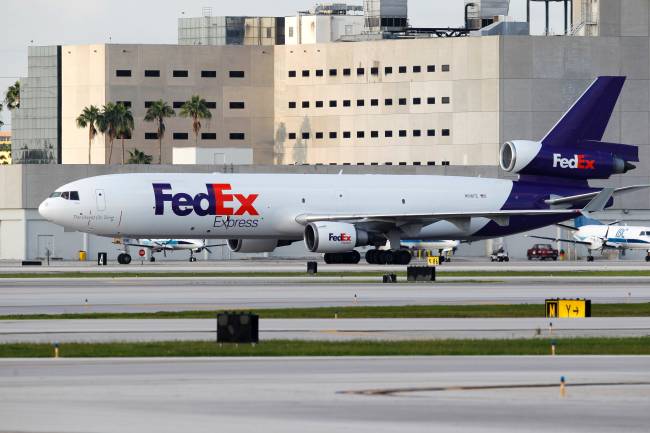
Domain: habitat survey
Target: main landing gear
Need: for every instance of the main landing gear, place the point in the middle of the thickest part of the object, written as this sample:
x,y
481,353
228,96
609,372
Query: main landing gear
x,y
351,258
647,258
192,258
590,258
124,259
388,257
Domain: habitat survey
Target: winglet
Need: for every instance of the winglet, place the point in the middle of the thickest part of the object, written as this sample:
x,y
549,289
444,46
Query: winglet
x,y
598,203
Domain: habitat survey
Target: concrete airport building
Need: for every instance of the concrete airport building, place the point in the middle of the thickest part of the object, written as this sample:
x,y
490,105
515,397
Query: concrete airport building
x,y
402,99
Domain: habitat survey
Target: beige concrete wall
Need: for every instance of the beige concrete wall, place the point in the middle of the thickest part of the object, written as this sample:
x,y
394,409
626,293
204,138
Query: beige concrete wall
x,y
83,83
472,116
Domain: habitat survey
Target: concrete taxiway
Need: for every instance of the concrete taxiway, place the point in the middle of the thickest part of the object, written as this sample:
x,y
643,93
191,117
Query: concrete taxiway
x,y
423,394
74,295
100,330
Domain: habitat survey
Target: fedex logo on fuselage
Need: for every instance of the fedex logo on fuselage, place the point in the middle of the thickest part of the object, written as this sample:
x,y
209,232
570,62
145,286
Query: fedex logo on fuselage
x,y
343,237
578,161
217,200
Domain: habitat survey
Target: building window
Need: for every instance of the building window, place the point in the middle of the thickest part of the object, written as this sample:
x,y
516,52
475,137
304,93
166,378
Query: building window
x,y
402,132
417,69
123,73
292,136
402,163
388,70
332,134
445,99
445,133
148,104
374,163
292,104
127,104
445,68
292,74
417,133
417,101
431,163
291,32
208,136
179,73
431,68
402,69
269,33
236,105
319,136
180,136
237,136
402,101
445,162
151,136
346,103
388,101
361,134
237,74
178,104
319,104
431,132
332,72
374,102
346,134
374,134
305,135
388,134
361,71
211,105
388,163
417,163
374,71
332,103
152,73
360,102
305,104
305,73
319,72
347,71
431,100
208,74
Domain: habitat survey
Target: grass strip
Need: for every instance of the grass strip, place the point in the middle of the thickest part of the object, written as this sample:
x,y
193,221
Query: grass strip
x,y
364,312
565,346
352,273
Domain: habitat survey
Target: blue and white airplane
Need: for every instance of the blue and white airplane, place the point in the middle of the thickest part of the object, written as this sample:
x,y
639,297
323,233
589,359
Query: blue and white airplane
x,y
334,214
598,236
164,245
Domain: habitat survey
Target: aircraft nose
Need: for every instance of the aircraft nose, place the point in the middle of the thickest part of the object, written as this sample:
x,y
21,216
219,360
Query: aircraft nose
x,y
44,209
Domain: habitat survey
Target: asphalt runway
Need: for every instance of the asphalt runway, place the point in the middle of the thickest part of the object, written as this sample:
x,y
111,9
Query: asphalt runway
x,y
422,394
100,330
73,295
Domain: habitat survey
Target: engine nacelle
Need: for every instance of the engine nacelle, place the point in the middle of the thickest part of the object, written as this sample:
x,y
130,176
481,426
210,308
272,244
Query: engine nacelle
x,y
588,160
252,245
333,237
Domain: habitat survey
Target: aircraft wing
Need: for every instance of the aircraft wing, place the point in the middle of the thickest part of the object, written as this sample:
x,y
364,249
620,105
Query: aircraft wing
x,y
156,247
573,241
554,201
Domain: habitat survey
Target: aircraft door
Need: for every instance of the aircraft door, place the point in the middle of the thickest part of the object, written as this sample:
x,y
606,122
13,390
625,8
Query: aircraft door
x,y
100,199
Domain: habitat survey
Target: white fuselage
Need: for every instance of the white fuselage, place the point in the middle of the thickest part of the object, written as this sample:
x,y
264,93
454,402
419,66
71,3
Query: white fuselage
x,y
614,236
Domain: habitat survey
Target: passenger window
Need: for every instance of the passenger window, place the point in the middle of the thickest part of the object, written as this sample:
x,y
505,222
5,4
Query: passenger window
x,y
74,195
65,195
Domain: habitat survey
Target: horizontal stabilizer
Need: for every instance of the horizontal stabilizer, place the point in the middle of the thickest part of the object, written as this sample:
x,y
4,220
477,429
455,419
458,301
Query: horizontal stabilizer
x,y
590,195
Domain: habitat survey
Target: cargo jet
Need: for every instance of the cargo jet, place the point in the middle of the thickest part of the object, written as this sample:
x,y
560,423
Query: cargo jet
x,y
334,214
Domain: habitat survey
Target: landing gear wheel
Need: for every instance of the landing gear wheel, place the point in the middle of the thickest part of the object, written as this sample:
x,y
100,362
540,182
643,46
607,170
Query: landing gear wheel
x,y
590,258
192,259
371,257
647,258
350,258
152,259
403,257
123,259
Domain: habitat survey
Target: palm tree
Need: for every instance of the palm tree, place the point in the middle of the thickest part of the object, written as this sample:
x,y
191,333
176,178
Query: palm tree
x,y
158,111
1,122
196,108
12,97
89,117
124,122
108,126
138,157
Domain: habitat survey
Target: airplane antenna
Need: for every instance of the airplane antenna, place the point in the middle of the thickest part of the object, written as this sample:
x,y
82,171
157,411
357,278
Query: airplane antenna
x,y
341,171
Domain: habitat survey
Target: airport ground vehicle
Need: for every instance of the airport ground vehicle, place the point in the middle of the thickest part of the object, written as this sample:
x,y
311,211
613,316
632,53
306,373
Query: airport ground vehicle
x,y
334,214
499,255
542,252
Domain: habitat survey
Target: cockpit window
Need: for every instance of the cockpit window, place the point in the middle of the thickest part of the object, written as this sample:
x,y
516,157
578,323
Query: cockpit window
x,y
65,195
55,194
74,195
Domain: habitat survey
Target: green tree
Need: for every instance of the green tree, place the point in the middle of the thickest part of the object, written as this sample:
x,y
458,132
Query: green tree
x,y
1,122
138,157
197,109
116,121
125,124
108,126
12,96
158,111
90,118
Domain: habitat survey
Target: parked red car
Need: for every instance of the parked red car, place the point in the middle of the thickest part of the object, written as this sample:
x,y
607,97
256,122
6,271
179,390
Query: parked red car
x,y
542,252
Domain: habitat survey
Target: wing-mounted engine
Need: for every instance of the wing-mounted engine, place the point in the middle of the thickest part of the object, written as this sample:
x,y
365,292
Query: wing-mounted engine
x,y
336,237
255,245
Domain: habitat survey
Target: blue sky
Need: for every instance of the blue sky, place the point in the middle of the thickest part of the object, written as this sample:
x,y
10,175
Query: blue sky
x,y
57,22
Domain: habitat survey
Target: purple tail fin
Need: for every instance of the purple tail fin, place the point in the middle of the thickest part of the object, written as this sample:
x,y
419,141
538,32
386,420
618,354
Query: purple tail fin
x,y
589,115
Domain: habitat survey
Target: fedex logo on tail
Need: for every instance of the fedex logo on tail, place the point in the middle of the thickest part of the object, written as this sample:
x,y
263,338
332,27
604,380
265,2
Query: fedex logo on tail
x,y
217,200
343,237
578,161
